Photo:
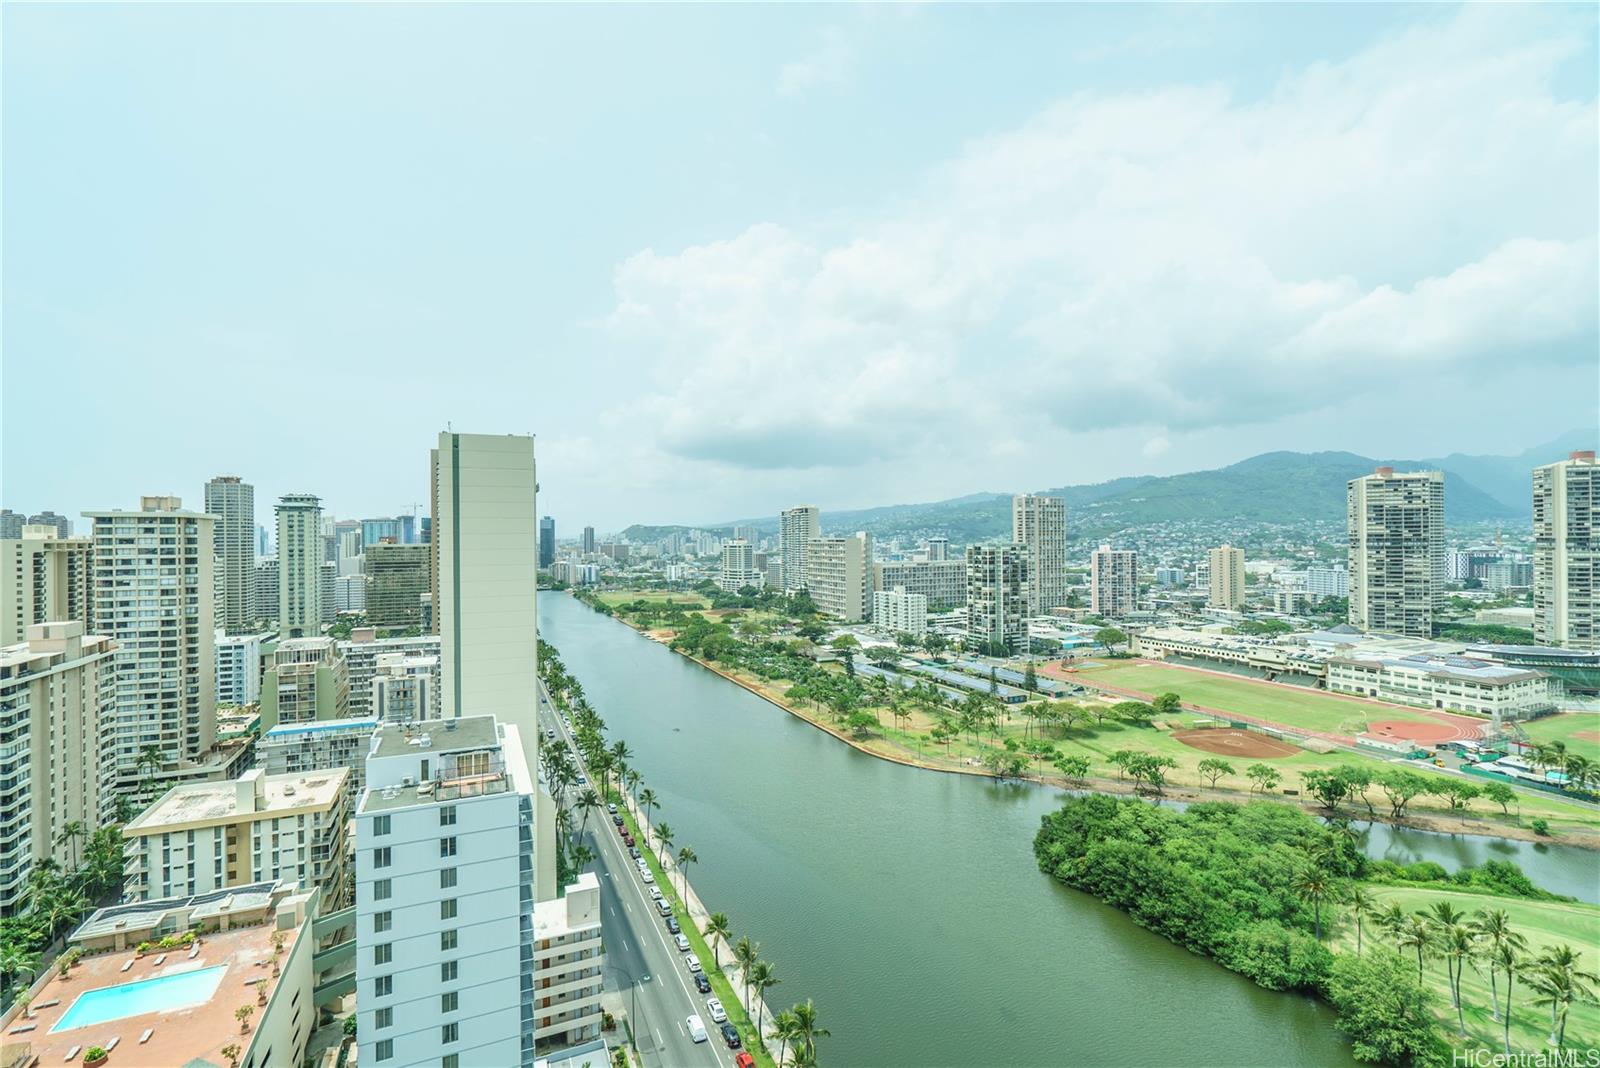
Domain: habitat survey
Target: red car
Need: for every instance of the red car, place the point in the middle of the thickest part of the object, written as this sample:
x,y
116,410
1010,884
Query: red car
x,y
627,840
744,1060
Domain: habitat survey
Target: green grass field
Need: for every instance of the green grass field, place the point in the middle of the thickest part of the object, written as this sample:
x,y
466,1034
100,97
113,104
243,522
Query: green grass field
x,y
1291,706
688,600
1565,728
1542,923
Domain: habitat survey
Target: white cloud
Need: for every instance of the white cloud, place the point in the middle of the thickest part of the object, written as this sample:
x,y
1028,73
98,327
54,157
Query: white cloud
x,y
827,66
1156,446
1168,259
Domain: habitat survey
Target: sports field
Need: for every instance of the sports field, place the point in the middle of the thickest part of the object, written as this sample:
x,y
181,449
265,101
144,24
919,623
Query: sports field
x,y
1579,731
1291,706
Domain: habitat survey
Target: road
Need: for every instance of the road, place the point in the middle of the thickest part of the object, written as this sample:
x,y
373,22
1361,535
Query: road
x,y
639,953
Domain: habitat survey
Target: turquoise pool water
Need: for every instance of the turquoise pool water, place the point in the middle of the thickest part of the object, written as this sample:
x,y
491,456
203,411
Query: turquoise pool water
x,y
161,994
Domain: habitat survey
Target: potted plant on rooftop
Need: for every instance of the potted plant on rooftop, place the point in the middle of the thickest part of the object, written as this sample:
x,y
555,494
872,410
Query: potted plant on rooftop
x,y
232,1051
95,1056
243,1014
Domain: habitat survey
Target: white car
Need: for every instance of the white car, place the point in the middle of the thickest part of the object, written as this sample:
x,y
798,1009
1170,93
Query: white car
x,y
664,906
694,965
683,947
697,1030
718,1013
655,893
646,876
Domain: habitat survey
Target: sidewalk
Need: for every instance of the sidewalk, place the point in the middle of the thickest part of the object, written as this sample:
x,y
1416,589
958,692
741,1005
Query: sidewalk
x,y
699,914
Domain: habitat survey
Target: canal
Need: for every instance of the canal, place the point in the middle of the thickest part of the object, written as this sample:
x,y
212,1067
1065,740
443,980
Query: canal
x,y
907,903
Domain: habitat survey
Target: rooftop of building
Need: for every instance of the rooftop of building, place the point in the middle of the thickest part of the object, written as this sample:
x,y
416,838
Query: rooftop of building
x,y
554,918
321,726
212,802
439,735
1444,666
188,998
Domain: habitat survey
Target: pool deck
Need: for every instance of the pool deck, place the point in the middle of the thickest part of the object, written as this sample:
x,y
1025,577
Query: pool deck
x,y
178,1037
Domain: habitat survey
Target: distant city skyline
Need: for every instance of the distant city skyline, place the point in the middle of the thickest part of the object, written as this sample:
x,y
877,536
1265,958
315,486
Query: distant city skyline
x,y
1129,240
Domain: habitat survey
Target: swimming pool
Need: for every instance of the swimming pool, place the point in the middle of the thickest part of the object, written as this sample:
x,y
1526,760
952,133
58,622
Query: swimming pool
x,y
161,994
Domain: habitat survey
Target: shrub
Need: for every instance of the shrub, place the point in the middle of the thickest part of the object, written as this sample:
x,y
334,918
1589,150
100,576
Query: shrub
x,y
1384,1011
1541,827
95,1053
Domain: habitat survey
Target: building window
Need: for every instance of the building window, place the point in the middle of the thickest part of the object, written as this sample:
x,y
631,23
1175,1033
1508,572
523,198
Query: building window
x,y
447,909
450,1060
383,986
449,1002
447,815
448,971
383,953
384,1050
381,889
447,878
380,857
384,1017
450,1032
447,939
380,825
447,847
382,921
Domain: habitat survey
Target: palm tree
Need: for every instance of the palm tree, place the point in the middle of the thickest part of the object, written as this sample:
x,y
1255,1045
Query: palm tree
x,y
633,778
664,838
1361,904
1493,926
1458,946
619,756
16,961
647,801
149,762
1506,959
1313,885
71,835
582,856
588,801
1393,921
786,1029
805,1015
745,954
762,979
1416,934
686,857
716,929
1563,982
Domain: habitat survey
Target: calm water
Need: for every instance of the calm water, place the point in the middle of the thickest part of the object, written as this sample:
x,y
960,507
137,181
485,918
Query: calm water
x,y
907,903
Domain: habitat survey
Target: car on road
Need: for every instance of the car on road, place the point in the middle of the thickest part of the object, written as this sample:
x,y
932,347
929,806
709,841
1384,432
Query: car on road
x,y
613,810
718,1013
730,1035
701,983
744,1060
672,925
697,1030
655,893
627,839
663,906
633,851
583,780
683,942
549,732
694,965
646,876
617,820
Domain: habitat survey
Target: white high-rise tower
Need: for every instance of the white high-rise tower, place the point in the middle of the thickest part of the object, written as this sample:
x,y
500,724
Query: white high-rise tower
x,y
1040,523
797,527
233,502
300,556
1566,553
1396,527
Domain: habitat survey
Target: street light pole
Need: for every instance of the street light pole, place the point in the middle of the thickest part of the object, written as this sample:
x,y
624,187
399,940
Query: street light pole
x,y
633,1007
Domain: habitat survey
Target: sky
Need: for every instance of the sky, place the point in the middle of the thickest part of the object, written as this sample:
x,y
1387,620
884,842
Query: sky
x,y
725,259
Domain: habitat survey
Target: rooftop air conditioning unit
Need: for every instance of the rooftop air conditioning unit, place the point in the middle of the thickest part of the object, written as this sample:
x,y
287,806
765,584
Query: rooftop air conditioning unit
x,y
407,781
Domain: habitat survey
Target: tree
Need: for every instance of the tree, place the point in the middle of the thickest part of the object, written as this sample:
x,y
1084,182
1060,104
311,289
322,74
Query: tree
x,y
861,723
72,834
1030,679
786,1029
806,1018
1328,787
647,801
1508,961
1214,768
686,857
1493,929
762,979
1262,777
882,654
1073,768
745,955
1458,945
1400,787
716,930
588,801
1167,704
149,762
1109,636
1499,793
663,840
243,1014
1562,982
1416,935
1386,1014
1314,885
846,645
1454,792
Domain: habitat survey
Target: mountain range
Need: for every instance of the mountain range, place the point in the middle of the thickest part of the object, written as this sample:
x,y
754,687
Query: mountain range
x,y
1276,487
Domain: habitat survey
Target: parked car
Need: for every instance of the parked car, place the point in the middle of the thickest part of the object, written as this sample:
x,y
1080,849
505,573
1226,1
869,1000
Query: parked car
x,y
701,983
634,852
718,1013
683,942
646,876
663,906
697,1030
672,925
617,820
627,839
655,893
730,1035
613,810
694,964
744,1060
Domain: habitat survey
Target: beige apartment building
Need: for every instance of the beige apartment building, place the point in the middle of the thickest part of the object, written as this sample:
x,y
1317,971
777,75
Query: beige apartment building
x,y
1397,560
1227,578
1040,523
1566,553
839,576
306,679
1113,581
797,528
233,502
44,578
259,827
998,597
300,558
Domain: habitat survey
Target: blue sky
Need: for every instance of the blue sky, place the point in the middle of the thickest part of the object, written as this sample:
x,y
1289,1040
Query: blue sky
x,y
723,259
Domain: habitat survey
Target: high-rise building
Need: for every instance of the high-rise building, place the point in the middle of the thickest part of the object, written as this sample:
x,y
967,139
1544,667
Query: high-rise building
x,y
44,578
1227,578
405,689
328,590
154,590
266,603
56,688
738,566
942,582
797,528
998,597
304,748
900,612
451,944
488,577
306,679
238,669
363,653
397,577
1040,523
588,539
375,531
59,523
233,502
1396,526
1566,553
1170,576
938,550
300,556
11,523
1328,581
547,541
350,593
255,828
263,541
839,576
1113,581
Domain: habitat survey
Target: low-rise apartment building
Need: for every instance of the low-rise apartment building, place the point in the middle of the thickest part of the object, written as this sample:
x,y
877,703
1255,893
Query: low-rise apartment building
x,y
942,581
239,668
304,748
900,612
568,960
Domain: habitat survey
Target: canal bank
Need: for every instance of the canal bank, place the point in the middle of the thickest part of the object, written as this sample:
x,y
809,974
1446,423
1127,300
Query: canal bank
x,y
910,906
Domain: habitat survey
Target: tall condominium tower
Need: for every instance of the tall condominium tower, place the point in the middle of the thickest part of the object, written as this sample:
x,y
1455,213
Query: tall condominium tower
x,y
154,585
997,597
1113,581
44,578
938,550
738,566
588,539
488,577
1227,578
300,556
1040,523
233,502
1566,553
797,527
1396,524
839,576
547,541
